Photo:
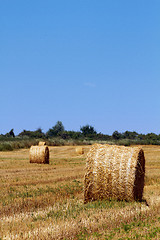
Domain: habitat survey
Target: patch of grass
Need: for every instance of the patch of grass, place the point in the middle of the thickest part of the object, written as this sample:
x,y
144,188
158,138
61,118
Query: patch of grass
x,y
100,204
110,235
153,233
61,191
74,209
82,235
128,227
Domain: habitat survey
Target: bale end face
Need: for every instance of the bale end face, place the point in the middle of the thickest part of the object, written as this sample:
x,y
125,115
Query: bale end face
x,y
139,177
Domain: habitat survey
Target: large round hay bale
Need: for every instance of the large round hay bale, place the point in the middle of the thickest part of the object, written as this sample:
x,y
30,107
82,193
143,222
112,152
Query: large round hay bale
x,y
41,143
39,154
79,150
114,172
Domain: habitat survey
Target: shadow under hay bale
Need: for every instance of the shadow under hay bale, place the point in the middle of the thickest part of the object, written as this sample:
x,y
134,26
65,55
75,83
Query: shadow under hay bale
x,y
114,172
41,143
79,150
39,154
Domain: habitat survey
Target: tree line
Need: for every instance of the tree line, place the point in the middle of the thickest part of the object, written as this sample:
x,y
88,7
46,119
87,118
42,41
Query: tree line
x,y
86,132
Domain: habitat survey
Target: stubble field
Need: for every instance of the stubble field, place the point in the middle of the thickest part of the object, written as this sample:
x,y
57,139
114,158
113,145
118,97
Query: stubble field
x,y
46,201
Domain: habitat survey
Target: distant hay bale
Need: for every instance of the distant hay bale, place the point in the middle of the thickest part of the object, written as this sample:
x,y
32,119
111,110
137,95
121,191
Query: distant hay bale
x,y
41,143
39,154
114,172
79,150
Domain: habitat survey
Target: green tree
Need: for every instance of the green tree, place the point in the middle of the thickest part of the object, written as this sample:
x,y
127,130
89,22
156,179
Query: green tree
x,y
56,130
88,130
130,135
151,136
10,133
116,135
32,134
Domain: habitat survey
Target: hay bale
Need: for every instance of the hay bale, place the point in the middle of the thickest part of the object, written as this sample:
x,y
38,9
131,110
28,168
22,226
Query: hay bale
x,y
41,143
79,150
39,154
114,172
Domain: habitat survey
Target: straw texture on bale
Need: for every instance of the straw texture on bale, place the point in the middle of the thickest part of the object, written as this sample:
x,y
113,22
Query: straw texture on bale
x,y
39,154
79,150
114,172
41,143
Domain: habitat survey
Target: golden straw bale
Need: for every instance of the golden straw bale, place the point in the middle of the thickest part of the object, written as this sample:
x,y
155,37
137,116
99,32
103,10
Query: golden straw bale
x,y
41,143
79,150
114,172
39,154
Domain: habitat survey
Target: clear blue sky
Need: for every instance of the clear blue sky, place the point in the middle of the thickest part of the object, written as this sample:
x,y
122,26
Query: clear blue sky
x,y
80,62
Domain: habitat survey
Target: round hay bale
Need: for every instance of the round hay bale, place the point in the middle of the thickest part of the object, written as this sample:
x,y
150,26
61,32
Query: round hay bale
x,y
39,154
41,143
114,172
79,150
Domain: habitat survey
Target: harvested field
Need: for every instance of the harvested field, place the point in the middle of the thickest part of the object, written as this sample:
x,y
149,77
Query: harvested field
x,y
46,201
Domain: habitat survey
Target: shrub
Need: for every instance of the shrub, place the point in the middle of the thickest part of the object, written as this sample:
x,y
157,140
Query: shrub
x,y
5,147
